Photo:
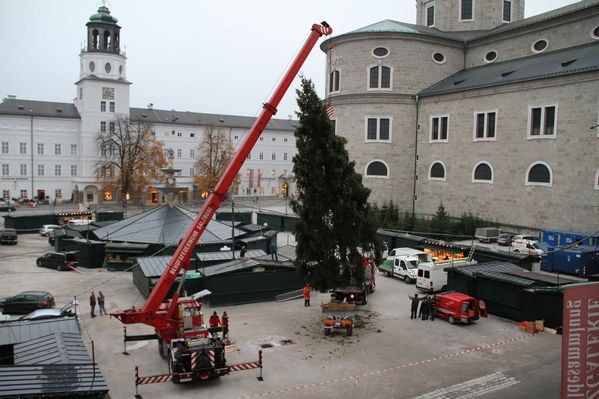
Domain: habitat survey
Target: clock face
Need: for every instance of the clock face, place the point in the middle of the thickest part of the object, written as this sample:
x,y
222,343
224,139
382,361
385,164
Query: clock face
x,y
107,93
92,66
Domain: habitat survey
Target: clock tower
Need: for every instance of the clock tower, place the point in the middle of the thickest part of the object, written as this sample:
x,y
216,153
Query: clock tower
x,y
102,94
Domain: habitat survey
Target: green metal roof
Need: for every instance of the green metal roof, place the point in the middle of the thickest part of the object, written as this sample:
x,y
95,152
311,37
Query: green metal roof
x,y
386,26
103,15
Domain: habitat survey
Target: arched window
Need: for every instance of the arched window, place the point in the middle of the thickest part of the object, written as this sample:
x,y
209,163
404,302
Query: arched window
x,y
379,77
539,174
95,39
482,173
106,44
377,169
437,171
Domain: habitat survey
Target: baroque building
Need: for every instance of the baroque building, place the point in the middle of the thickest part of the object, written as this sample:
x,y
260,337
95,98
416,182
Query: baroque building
x,y
475,107
49,150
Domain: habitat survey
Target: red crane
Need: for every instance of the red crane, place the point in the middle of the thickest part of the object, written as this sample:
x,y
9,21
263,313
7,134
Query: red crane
x,y
178,321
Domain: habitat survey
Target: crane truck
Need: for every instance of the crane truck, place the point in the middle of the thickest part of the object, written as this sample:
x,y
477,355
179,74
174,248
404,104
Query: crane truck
x,y
192,351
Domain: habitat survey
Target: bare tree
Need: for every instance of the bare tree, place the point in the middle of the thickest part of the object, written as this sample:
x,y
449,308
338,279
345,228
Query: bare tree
x,y
129,157
214,154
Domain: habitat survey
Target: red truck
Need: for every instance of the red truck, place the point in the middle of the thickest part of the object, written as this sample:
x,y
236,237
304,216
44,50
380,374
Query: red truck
x,y
457,307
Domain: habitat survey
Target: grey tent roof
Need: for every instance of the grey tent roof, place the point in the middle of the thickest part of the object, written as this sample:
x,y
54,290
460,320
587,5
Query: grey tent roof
x,y
226,255
284,253
55,348
547,65
15,106
20,331
155,116
49,358
154,266
496,271
163,225
239,265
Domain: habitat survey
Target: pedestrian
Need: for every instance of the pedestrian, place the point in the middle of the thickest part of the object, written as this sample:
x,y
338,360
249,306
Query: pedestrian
x,y
92,304
101,301
224,321
306,292
242,253
414,306
273,251
434,304
425,308
214,321
482,306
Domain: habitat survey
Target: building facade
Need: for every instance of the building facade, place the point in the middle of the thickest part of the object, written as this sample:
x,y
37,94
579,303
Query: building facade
x,y
49,150
475,107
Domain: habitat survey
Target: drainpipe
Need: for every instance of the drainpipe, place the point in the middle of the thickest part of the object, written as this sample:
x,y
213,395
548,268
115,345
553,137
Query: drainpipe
x,y
415,154
31,149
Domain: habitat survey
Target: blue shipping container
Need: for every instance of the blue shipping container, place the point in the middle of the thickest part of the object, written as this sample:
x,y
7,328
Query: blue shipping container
x,y
581,262
562,238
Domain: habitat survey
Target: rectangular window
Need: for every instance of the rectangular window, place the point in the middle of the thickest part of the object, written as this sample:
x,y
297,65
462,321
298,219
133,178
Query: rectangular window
x,y
380,77
273,191
542,122
58,193
5,147
57,149
40,170
6,194
467,10
439,128
5,169
73,170
103,127
378,129
430,15
334,82
23,193
40,148
261,155
485,125
23,169
274,156
179,153
111,127
191,172
284,156
73,149
111,106
57,170
102,106
507,11
192,134
179,134
192,153
22,148
273,172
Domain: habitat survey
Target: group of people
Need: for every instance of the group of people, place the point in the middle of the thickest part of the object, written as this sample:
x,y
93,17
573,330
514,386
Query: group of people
x,y
423,307
214,321
100,300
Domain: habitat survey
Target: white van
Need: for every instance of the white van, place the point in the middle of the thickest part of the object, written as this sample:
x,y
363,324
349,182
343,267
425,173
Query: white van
x,y
403,267
433,278
529,247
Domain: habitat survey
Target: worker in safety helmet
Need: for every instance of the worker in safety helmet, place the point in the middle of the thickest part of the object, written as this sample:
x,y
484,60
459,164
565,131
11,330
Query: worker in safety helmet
x,y
306,292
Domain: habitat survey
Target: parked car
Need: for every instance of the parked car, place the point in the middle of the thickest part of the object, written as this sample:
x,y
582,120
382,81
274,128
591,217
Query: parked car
x,y
27,302
457,307
8,236
504,239
58,260
66,311
527,247
48,229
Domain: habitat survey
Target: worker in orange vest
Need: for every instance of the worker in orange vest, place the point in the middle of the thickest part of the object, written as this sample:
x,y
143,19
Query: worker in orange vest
x,y
306,291
214,320
482,306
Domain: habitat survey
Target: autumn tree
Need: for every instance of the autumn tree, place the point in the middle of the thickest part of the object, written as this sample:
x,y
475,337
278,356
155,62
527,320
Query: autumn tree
x,y
129,157
332,204
214,153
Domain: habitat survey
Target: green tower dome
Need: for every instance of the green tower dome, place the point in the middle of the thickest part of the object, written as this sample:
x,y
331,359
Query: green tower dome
x,y
103,15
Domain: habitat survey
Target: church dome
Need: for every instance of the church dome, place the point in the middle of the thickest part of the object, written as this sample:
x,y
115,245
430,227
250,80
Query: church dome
x,y
103,15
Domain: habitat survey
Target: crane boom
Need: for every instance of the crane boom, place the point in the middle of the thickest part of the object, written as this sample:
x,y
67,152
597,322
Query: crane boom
x,y
148,313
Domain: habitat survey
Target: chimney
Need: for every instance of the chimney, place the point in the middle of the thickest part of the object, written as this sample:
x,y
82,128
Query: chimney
x,y
151,106
11,97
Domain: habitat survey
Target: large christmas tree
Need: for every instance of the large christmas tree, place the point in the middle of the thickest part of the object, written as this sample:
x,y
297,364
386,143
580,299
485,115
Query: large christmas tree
x,y
332,203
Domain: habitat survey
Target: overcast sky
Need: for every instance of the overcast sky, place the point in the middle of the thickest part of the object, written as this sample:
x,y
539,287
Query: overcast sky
x,y
219,56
